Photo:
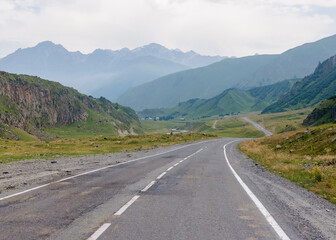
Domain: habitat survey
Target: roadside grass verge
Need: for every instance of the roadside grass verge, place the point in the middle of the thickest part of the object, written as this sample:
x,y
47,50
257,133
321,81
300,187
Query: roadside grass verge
x,y
281,122
306,157
11,150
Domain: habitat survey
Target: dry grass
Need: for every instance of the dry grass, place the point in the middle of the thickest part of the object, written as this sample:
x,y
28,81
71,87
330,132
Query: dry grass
x,y
11,150
306,157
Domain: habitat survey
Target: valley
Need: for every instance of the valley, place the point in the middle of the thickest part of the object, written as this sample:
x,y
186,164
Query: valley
x,y
154,142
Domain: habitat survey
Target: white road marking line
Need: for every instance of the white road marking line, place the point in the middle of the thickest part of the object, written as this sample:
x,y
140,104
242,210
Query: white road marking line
x,y
176,164
148,186
181,161
127,205
100,231
19,193
256,201
169,169
161,175
95,170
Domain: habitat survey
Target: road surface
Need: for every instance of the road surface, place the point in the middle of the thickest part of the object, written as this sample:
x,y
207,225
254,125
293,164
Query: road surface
x,y
257,126
194,191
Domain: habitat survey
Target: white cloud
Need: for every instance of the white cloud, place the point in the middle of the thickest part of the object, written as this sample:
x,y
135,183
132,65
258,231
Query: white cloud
x,y
225,27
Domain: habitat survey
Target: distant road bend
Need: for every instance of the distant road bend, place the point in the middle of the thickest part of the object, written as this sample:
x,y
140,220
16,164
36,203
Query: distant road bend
x,y
204,190
257,126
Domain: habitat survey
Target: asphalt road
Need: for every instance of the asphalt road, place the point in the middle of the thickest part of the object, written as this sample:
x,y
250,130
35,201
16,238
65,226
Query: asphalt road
x,y
193,192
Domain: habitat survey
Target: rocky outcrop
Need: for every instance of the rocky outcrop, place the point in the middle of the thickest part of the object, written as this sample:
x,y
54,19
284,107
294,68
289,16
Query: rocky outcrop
x,y
30,102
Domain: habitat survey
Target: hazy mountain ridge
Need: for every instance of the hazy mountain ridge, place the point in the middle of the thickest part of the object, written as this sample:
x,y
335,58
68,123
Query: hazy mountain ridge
x,y
243,73
311,90
33,104
230,101
102,72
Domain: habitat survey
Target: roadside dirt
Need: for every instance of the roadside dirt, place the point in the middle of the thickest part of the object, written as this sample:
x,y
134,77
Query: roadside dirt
x,y
22,175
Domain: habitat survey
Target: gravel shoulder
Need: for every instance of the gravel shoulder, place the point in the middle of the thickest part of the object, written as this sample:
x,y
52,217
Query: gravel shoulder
x,y
21,175
312,217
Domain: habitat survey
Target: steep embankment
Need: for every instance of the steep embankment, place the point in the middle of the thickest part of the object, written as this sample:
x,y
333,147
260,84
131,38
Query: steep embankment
x,y
231,101
311,90
243,73
34,104
324,113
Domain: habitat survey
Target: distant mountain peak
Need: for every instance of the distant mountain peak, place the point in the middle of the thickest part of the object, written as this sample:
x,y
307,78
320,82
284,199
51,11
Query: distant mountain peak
x,y
150,47
49,45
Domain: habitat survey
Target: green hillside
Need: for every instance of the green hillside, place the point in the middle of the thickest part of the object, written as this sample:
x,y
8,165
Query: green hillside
x,y
40,107
311,90
231,101
324,113
242,73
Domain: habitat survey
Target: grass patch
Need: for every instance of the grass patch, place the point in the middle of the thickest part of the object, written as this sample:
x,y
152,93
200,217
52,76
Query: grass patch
x,y
11,150
229,127
306,157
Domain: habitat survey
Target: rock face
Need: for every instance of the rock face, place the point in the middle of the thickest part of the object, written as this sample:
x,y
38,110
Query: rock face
x,y
30,102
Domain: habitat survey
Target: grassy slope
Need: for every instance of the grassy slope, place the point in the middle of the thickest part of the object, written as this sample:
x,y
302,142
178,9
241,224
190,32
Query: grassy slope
x,y
310,91
324,113
307,158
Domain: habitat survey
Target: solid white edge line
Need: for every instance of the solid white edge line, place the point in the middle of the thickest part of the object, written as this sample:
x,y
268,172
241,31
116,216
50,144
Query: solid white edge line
x,y
148,186
256,201
161,175
127,205
28,190
176,164
100,231
96,170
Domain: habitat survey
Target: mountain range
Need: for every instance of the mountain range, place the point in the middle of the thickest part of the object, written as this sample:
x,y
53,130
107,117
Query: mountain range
x,y
242,73
230,101
310,91
103,72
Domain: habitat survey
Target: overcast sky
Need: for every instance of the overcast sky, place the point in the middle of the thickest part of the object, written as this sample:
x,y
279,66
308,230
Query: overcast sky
x,y
211,27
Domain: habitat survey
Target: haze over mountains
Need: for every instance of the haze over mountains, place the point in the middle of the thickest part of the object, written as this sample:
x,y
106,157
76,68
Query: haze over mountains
x,y
230,101
243,73
103,72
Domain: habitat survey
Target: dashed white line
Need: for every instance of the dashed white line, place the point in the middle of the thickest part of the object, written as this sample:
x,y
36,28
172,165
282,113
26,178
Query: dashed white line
x,y
148,186
105,226
256,201
169,169
127,205
95,170
161,175
99,232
